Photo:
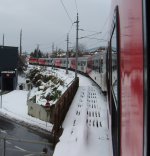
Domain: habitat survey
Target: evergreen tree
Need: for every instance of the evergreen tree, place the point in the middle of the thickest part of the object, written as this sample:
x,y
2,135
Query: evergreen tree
x,y
22,64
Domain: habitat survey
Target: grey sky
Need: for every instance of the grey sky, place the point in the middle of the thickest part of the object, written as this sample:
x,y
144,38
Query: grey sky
x,y
45,21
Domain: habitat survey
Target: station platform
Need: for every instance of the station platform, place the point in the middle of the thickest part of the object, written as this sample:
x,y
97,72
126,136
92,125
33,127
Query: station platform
x,y
86,127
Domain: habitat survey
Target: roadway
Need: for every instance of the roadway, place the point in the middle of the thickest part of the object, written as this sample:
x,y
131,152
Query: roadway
x,y
9,129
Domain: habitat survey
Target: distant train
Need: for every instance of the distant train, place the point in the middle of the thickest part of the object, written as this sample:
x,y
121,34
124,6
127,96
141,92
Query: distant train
x,y
93,66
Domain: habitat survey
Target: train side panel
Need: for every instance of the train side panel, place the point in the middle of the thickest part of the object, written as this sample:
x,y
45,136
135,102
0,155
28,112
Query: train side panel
x,y
130,56
132,81
42,61
82,64
57,62
96,69
33,61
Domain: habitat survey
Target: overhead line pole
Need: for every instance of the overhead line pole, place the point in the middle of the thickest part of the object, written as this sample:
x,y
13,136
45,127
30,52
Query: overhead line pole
x,y
77,29
21,42
3,39
37,53
67,53
52,47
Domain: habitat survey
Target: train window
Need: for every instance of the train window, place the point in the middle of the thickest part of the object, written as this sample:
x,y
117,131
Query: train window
x,y
101,67
114,83
114,58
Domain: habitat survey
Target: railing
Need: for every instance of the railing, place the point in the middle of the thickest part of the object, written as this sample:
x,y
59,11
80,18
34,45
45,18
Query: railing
x,y
61,108
12,146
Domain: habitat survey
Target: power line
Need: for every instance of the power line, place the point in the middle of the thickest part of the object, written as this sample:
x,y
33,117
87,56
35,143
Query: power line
x,y
102,39
93,38
70,28
107,19
66,11
97,42
92,31
59,41
91,35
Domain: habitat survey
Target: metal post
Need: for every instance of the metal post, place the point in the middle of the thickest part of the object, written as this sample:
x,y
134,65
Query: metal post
x,y
46,118
52,47
1,89
3,40
4,147
21,42
67,54
77,46
37,54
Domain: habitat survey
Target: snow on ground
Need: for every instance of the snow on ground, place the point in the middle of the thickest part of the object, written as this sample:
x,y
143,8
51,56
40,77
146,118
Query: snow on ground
x,y
14,104
86,127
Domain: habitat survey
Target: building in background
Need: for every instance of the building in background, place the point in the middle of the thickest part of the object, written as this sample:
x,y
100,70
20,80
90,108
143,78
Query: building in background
x,y
8,67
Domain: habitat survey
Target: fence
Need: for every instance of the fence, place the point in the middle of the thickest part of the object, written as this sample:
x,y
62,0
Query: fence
x,y
61,109
13,146
58,113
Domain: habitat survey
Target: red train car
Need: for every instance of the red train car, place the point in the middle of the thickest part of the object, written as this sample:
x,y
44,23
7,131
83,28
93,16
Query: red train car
x,y
33,61
73,63
89,65
57,62
42,61
128,77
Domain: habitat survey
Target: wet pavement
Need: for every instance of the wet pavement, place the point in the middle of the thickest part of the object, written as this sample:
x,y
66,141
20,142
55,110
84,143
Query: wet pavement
x,y
9,129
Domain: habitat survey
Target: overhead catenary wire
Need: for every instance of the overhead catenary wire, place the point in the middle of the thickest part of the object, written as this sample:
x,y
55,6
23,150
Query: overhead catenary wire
x,y
102,38
97,42
70,28
59,41
91,35
66,11
107,19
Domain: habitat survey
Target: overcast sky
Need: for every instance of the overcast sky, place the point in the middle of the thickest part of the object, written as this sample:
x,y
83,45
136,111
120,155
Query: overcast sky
x,y
46,21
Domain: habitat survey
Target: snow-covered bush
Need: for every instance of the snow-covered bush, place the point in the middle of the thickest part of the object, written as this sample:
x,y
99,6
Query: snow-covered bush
x,y
47,84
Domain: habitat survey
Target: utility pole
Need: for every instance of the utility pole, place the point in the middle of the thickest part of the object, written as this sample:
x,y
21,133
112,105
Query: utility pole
x,y
77,29
37,50
1,89
67,53
21,42
56,49
3,39
52,47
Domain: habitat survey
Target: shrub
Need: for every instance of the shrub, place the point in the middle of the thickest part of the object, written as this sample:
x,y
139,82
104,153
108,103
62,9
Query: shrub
x,y
48,97
61,82
32,73
55,95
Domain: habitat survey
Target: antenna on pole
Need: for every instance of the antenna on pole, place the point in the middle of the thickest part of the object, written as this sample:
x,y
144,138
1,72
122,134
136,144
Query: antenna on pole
x,y
77,29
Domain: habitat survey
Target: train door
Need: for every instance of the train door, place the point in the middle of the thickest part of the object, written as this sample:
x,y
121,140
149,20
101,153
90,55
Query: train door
x,y
114,83
146,34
